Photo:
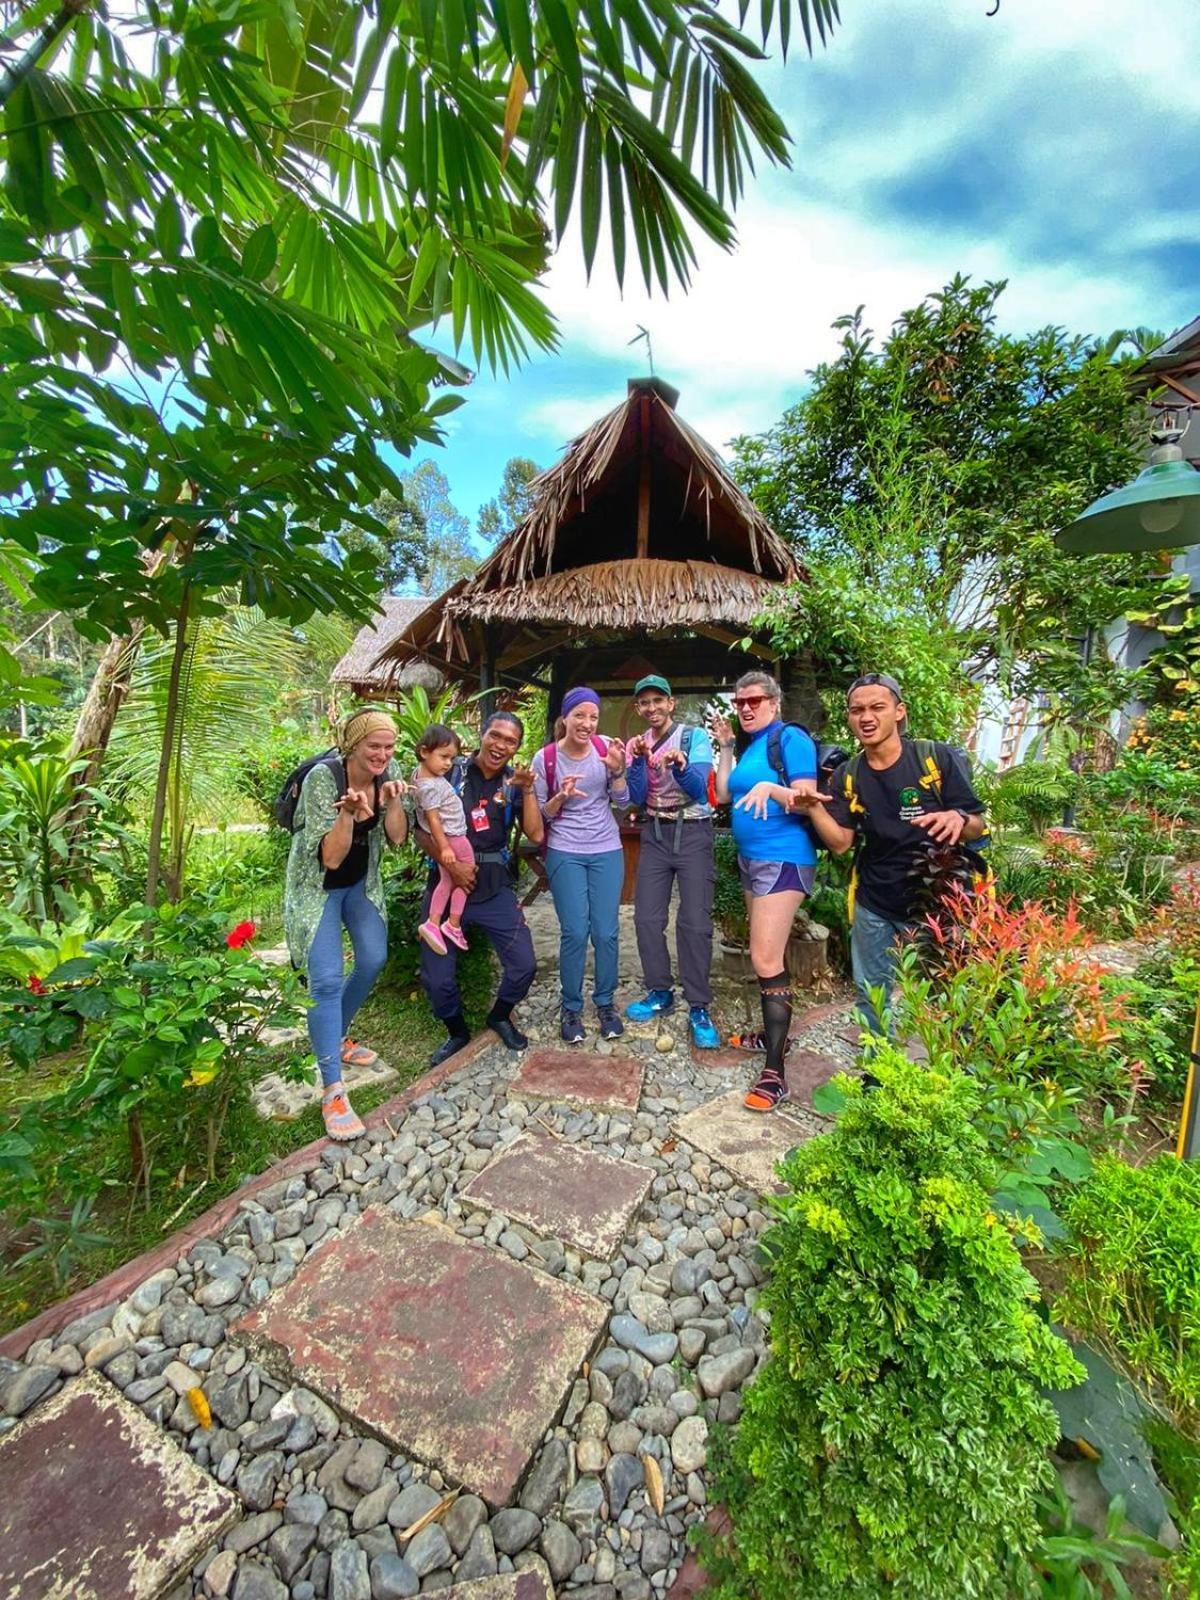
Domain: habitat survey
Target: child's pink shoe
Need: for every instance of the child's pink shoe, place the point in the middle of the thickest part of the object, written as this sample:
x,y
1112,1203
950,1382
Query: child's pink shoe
x,y
455,935
432,935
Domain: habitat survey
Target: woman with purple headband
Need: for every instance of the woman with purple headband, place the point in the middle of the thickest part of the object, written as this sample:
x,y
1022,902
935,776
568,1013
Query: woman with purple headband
x,y
577,780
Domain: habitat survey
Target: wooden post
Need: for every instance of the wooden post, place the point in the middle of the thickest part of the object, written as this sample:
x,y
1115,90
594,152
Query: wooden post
x,y
643,504
487,673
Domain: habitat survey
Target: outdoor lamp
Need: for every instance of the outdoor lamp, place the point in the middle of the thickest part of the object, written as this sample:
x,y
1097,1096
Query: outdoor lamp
x,y
1159,510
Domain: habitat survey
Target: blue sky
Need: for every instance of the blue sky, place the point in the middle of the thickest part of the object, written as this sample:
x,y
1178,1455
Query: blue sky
x,y
1055,145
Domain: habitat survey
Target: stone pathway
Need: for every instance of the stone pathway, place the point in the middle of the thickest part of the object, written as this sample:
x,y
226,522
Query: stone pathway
x,y
479,1352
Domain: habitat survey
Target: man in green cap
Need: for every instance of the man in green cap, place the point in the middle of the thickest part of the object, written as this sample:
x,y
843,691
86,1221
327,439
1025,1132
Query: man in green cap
x,y
669,768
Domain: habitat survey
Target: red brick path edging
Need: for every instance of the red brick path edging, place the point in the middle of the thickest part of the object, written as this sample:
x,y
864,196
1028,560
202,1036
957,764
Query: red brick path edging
x,y
124,1279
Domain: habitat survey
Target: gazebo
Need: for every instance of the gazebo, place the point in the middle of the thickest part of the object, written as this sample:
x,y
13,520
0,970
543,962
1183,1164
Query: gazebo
x,y
640,554
358,670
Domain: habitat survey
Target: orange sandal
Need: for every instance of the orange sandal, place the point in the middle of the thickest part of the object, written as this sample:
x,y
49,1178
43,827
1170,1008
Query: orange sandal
x,y
768,1092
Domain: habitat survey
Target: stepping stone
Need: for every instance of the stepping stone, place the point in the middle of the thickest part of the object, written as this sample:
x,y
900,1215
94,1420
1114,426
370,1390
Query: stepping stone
x,y
562,1192
806,1071
277,1100
512,1586
99,1502
580,1078
748,1143
445,1350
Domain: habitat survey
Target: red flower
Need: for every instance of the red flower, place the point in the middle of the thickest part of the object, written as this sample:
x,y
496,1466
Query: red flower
x,y
36,986
241,935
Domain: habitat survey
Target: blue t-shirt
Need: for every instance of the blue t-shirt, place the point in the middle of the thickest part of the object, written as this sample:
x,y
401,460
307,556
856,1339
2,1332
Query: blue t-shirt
x,y
780,835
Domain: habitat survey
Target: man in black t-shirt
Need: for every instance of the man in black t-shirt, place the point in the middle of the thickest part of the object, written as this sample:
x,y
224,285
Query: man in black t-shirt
x,y
494,796
894,799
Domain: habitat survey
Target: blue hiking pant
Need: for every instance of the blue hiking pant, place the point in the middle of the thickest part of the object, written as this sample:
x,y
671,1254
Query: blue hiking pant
x,y
336,997
587,899
873,956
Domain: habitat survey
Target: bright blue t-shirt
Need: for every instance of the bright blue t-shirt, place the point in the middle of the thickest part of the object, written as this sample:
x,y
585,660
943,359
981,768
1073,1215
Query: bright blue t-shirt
x,y
780,835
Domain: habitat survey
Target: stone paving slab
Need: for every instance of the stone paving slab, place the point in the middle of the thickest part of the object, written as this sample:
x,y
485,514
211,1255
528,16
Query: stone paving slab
x,y
275,1099
806,1071
448,1351
748,1143
586,1200
512,1586
98,1502
580,1078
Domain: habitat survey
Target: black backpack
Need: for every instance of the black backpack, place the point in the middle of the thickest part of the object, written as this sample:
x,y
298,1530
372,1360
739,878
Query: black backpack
x,y
829,758
284,809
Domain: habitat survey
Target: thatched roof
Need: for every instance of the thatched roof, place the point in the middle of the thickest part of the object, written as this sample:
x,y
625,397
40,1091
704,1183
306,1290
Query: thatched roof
x,y
639,526
357,666
623,594
565,493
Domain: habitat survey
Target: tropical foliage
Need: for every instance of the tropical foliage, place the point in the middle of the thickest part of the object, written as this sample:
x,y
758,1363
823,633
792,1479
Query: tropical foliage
x,y
923,476
895,1442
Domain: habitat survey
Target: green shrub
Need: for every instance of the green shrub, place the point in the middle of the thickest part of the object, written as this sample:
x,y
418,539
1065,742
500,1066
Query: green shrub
x,y
1134,1273
895,1443
729,903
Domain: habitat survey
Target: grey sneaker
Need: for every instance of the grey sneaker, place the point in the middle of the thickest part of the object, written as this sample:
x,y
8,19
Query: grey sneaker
x,y
572,1027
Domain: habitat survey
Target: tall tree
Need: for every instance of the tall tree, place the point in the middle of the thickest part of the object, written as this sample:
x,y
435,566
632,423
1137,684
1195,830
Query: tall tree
x,y
450,554
401,553
923,477
511,505
223,227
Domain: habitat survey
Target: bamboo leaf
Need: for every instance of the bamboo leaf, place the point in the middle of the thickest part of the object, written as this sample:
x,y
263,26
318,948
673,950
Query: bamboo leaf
x,y
565,164
518,88
566,44
591,194
543,121
260,253
520,27
393,105
616,205
168,227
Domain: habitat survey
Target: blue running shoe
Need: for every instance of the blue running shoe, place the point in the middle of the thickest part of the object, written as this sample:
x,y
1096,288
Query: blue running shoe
x,y
656,1004
704,1033
571,1031
611,1026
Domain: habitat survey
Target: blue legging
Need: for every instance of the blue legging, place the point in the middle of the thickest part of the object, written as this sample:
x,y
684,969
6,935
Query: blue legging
x,y
587,899
335,997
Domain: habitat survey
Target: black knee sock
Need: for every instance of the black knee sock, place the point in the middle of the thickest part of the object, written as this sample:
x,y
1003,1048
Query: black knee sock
x,y
456,1026
501,1011
776,996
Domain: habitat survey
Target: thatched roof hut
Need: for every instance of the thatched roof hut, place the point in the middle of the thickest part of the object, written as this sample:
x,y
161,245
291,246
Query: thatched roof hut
x,y
358,670
639,552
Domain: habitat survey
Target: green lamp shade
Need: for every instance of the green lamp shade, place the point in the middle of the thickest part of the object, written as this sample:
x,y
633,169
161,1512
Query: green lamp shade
x,y
1159,510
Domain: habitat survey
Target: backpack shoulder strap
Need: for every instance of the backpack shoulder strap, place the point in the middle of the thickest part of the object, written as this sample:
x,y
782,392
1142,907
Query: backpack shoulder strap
x,y
685,740
848,776
931,771
775,754
550,763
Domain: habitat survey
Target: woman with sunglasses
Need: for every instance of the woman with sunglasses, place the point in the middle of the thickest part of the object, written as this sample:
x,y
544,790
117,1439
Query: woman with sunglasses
x,y
776,854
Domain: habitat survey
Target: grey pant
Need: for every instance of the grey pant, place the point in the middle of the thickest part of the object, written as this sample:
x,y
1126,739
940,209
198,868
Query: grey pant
x,y
874,942
671,852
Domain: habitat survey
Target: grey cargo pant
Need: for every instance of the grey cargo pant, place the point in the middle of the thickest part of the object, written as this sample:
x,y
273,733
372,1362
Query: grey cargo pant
x,y
676,851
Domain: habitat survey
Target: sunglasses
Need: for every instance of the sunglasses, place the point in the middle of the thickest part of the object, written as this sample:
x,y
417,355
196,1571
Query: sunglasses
x,y
750,702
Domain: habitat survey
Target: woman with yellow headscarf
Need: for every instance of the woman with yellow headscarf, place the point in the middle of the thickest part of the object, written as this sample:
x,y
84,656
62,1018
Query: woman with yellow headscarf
x,y
333,883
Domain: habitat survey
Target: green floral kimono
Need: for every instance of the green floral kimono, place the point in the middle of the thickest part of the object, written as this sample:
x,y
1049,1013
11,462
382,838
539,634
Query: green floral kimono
x,y
304,892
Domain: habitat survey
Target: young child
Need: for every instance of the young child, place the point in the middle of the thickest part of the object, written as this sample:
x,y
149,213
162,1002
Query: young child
x,y
446,823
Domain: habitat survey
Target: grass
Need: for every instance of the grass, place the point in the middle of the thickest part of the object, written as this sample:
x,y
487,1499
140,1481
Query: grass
x,y
395,1021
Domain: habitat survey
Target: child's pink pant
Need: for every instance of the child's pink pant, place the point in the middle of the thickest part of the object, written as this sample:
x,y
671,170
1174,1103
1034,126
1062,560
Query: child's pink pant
x,y
444,891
